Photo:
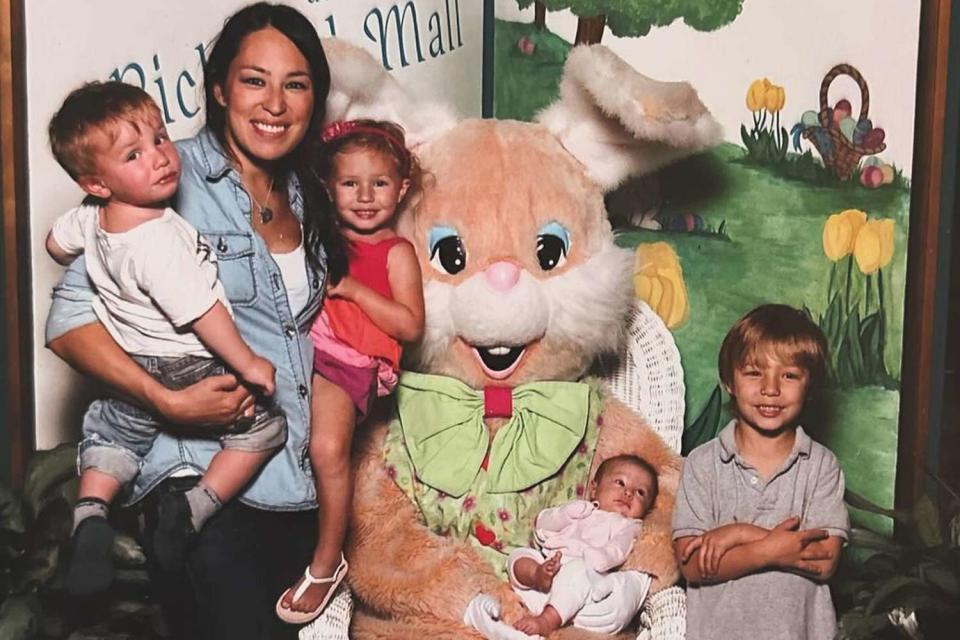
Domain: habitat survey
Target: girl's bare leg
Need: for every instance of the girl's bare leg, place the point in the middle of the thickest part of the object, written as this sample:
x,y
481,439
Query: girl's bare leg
x,y
331,435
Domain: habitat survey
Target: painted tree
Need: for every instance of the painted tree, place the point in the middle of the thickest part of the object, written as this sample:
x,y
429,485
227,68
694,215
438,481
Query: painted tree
x,y
635,18
539,12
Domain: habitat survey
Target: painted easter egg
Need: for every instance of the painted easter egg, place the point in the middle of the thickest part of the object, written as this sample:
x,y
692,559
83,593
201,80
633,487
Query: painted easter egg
x,y
871,177
810,119
526,46
872,161
860,131
847,127
694,222
824,143
874,138
888,174
841,110
686,222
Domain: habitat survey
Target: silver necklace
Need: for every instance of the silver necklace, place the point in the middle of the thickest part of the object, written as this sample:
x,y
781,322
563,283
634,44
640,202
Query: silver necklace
x,y
264,211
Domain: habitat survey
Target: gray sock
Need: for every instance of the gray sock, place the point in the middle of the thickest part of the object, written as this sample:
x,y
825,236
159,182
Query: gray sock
x,y
203,502
88,508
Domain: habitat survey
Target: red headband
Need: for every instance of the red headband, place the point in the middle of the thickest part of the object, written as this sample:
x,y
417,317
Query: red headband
x,y
341,128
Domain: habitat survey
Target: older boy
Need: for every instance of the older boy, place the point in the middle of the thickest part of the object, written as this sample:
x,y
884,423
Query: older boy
x,y
159,297
760,519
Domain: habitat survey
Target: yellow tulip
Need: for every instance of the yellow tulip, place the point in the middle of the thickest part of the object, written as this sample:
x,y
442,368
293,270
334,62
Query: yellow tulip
x,y
775,98
867,250
840,233
873,249
658,281
885,229
757,94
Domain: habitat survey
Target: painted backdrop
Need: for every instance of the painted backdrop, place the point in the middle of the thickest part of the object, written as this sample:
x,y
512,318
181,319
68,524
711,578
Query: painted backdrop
x,y
433,46
805,203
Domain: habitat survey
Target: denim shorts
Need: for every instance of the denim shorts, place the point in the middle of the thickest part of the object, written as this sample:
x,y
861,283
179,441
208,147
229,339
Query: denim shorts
x,y
117,434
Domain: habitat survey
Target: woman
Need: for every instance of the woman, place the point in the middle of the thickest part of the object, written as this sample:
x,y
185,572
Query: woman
x,y
244,186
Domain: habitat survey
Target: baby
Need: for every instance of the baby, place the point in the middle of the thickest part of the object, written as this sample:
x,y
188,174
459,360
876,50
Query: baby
x,y
583,540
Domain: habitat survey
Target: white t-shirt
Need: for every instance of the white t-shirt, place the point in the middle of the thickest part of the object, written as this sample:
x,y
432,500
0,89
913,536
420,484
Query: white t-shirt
x,y
151,281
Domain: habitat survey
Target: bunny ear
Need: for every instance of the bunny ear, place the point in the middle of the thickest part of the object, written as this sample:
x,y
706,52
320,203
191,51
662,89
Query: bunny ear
x,y
619,123
361,88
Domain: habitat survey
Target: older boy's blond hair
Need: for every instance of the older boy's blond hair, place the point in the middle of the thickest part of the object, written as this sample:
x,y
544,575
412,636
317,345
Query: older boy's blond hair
x,y
783,332
93,109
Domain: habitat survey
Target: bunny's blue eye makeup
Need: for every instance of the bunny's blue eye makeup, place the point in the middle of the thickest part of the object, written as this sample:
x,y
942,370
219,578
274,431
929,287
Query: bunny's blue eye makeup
x,y
446,250
553,243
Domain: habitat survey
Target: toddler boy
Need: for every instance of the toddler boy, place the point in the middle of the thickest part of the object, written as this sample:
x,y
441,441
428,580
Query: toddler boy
x,y
159,297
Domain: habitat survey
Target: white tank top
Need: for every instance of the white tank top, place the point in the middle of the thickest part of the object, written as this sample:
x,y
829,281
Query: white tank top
x,y
293,270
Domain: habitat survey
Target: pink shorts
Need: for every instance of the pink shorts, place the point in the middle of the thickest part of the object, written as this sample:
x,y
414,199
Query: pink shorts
x,y
362,377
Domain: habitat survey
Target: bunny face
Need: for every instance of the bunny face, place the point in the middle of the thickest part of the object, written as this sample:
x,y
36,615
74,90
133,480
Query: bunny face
x,y
522,280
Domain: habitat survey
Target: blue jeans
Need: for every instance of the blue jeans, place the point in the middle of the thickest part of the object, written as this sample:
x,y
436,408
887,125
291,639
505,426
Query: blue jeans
x,y
241,562
118,434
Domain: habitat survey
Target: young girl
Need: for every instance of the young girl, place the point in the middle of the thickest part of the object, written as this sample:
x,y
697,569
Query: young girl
x,y
368,172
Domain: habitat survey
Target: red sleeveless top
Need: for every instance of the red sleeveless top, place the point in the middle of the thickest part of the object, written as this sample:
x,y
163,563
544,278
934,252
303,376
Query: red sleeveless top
x,y
368,264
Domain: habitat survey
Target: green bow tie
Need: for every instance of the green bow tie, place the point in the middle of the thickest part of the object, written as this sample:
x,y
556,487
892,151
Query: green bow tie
x,y
442,423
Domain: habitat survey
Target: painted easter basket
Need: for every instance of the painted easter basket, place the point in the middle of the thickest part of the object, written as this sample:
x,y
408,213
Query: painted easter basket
x,y
839,154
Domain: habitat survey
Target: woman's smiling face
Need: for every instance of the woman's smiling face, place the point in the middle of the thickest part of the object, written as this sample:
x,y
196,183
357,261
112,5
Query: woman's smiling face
x,y
268,97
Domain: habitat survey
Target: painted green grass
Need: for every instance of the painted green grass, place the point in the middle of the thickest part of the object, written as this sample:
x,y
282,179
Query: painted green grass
x,y
861,429
772,253
525,84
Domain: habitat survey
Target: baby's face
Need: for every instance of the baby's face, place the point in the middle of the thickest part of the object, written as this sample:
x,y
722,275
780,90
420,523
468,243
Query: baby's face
x,y
624,488
137,163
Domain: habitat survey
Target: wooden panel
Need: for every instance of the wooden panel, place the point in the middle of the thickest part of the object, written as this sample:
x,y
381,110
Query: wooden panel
x,y
920,359
17,413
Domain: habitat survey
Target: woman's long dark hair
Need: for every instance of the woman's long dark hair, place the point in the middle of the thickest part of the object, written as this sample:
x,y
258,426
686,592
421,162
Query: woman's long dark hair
x,y
318,224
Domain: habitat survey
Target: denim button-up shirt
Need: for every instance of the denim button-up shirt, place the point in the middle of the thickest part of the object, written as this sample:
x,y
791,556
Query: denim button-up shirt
x,y
212,199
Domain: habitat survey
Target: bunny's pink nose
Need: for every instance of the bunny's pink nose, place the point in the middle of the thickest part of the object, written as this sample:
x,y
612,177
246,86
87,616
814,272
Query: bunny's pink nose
x,y
502,275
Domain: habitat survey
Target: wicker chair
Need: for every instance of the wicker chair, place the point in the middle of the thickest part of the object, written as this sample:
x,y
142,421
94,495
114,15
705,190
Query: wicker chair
x,y
648,378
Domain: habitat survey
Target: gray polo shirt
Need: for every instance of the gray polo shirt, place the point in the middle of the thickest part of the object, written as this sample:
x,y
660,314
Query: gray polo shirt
x,y
718,487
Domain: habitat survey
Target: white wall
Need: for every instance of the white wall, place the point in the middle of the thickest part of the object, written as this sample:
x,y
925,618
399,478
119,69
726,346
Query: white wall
x,y
791,42
68,43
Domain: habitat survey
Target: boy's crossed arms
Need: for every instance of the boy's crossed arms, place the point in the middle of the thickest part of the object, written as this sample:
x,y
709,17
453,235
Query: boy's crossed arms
x,y
738,549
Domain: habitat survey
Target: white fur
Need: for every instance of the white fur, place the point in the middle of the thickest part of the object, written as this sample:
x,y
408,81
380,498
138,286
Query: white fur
x,y
589,304
361,88
601,120
486,317
586,305
438,327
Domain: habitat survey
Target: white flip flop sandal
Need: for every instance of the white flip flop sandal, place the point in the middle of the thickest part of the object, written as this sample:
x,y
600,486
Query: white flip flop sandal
x,y
303,617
